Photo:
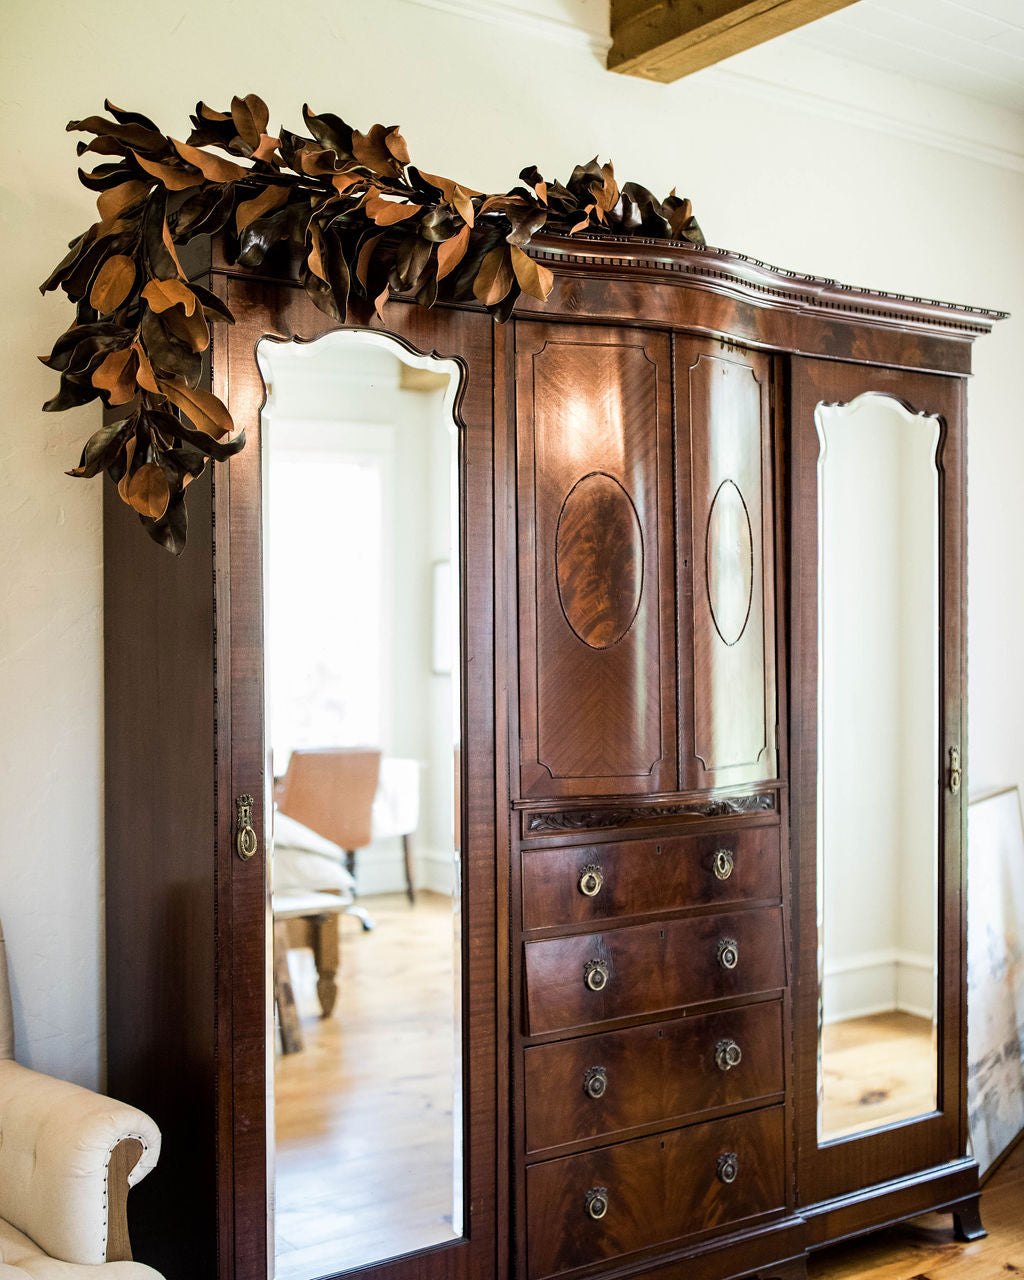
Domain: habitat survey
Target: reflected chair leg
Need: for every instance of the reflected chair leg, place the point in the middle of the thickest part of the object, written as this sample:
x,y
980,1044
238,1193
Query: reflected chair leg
x,y
284,997
410,891
363,916
967,1223
327,958
350,861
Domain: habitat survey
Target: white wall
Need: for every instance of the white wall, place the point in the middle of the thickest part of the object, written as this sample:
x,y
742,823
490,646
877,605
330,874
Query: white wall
x,y
798,159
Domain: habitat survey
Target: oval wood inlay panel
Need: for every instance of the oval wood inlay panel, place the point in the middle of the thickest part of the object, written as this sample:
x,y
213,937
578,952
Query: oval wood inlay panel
x,y
599,560
730,562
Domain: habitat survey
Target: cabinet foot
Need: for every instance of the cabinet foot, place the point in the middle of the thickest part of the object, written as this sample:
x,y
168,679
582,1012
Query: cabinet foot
x,y
967,1223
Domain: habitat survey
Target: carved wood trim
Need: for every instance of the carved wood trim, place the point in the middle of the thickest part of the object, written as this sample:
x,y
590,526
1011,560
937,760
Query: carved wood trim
x,y
547,821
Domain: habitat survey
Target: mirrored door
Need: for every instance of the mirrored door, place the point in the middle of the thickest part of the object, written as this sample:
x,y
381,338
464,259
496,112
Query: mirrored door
x,y
876,576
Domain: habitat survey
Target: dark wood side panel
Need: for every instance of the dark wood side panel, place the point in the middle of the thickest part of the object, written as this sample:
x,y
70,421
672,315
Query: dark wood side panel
x,y
912,1148
728,730
653,1074
583,883
657,1189
597,656
160,839
651,968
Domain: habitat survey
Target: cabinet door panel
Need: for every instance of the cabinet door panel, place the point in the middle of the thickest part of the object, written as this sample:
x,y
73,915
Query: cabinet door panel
x,y
597,692
728,731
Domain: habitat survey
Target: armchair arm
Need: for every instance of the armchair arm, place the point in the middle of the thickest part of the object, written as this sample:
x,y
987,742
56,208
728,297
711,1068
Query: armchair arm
x,y
67,1159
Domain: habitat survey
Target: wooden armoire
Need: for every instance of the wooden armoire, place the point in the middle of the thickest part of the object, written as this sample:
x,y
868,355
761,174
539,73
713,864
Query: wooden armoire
x,y
640,464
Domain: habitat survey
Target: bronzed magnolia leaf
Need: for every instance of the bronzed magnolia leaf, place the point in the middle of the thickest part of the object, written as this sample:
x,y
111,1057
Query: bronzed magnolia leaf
x,y
450,253
168,355
330,131
395,143
371,149
213,168
145,376
495,277
101,448
129,117
266,151
148,491
118,200
461,200
113,283
365,255
211,304
200,407
386,213
192,330
533,279
116,376
268,199
171,532
163,294
173,178
251,117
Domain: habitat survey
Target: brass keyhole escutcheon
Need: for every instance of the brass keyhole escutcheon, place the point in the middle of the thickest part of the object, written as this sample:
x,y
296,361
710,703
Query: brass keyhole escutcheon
x,y
728,1167
727,1055
595,1082
591,880
245,834
595,975
728,953
724,863
596,1202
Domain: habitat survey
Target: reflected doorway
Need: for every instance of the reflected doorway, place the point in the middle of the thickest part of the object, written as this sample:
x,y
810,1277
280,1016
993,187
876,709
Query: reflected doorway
x,y
361,482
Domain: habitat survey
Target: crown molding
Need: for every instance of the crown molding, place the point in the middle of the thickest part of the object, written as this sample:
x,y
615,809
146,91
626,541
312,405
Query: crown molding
x,y
499,14
866,117
766,89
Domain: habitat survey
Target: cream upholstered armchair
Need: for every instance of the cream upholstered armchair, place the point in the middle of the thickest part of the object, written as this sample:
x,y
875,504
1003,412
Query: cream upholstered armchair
x,y
67,1159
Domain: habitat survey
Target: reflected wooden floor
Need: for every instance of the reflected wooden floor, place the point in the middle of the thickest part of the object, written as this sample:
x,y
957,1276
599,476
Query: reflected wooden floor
x,y
876,1070
924,1249
363,1116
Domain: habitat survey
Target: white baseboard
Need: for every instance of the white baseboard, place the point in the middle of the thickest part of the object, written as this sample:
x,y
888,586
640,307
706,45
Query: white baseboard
x,y
857,986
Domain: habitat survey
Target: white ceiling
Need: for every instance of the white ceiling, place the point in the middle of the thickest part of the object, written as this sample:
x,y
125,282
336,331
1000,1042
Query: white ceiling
x,y
974,47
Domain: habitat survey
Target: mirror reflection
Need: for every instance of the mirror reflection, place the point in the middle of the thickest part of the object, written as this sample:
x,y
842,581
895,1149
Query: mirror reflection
x,y
878,781
360,474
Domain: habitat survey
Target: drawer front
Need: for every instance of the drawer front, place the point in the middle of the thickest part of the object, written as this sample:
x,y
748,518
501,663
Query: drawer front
x,y
636,877
653,1190
650,968
599,1085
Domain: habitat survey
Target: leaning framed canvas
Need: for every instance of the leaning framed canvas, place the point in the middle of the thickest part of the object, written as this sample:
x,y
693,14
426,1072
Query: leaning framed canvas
x,y
995,974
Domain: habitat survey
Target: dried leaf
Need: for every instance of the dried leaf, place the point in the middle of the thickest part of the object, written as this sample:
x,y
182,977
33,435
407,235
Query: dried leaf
x,y
116,376
268,199
395,143
200,407
101,448
386,213
174,179
266,151
113,284
464,204
533,279
116,200
380,301
450,253
250,117
192,330
145,376
494,279
148,491
213,168
129,454
315,260
365,254
164,294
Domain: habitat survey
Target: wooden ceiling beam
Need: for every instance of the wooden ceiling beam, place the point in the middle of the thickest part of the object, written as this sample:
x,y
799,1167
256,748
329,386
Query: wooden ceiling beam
x,y
666,39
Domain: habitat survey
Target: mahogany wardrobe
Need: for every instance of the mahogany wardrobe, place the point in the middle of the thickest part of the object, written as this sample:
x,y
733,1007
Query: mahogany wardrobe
x,y
710,585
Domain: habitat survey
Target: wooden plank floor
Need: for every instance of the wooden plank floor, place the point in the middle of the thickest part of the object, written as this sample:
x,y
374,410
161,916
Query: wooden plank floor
x,y
876,1070
363,1115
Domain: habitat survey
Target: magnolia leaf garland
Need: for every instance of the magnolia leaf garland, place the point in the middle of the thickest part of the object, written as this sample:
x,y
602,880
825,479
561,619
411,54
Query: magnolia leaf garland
x,y
365,220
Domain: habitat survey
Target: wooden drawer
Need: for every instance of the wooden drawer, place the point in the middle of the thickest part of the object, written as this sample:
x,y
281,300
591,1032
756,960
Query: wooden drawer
x,y
656,1190
638,877
649,968
644,1075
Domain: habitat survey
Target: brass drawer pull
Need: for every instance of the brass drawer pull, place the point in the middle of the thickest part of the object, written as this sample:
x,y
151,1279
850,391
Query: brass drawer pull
x,y
245,835
728,953
727,1055
595,975
596,1202
591,880
955,772
728,1167
724,863
595,1082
